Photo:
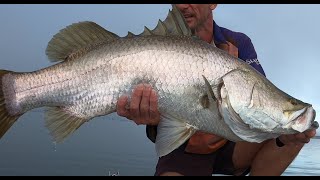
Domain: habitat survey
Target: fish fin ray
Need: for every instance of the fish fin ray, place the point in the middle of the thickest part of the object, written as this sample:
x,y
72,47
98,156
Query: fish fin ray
x,y
147,32
130,34
172,133
76,40
61,123
160,29
173,25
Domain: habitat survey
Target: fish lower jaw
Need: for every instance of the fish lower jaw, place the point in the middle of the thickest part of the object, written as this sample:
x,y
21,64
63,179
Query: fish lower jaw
x,y
300,124
305,121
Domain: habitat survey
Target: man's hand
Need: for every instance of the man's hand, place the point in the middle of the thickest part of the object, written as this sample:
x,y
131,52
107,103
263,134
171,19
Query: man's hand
x,y
295,139
143,108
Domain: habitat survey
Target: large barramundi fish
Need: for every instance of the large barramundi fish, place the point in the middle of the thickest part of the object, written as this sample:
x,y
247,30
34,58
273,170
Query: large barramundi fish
x,y
199,86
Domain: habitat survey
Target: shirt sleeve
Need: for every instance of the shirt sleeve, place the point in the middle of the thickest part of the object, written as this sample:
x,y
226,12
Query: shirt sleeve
x,y
248,54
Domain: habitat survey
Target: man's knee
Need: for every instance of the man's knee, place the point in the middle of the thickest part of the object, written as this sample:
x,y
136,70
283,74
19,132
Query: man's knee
x,y
244,154
170,174
258,157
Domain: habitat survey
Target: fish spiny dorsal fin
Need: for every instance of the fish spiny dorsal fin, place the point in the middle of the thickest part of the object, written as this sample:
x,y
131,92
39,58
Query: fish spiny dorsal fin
x,y
130,34
173,25
179,19
147,32
76,40
160,28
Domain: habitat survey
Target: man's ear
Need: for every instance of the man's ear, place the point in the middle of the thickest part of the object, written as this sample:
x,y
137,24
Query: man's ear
x,y
213,6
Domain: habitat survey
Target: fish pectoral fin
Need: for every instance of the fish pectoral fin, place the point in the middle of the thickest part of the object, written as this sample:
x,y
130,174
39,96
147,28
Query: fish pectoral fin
x,y
172,133
77,40
213,97
61,123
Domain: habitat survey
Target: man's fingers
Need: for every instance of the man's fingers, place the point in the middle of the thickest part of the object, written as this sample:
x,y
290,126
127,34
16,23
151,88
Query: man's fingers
x,y
144,105
310,133
121,107
302,138
287,139
233,50
135,101
298,138
154,112
305,136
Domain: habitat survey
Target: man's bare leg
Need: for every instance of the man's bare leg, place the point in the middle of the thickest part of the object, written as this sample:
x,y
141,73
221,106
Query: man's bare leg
x,y
265,158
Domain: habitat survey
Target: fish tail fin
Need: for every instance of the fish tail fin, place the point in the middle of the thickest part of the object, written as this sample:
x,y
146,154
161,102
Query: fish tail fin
x,y
6,91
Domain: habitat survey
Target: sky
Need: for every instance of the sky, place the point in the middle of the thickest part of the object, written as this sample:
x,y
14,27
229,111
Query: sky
x,y
285,36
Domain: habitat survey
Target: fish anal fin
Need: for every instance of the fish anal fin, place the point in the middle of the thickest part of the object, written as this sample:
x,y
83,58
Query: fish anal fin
x,y
61,123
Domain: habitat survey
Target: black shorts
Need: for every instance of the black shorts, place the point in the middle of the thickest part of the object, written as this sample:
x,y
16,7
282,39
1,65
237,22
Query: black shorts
x,y
189,164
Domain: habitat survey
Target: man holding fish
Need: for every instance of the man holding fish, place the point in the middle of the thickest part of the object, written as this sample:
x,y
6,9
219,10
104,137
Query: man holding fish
x,y
204,153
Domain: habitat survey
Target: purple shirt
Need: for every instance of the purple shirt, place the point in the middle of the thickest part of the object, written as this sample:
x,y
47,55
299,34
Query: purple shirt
x,y
245,47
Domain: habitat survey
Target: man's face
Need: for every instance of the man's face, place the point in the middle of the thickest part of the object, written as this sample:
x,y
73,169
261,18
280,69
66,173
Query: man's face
x,y
196,14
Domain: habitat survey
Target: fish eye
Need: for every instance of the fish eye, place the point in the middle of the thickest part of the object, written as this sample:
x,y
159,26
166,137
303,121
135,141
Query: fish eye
x,y
293,102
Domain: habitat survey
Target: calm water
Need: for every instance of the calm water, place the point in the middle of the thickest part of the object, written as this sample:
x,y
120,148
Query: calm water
x,y
102,147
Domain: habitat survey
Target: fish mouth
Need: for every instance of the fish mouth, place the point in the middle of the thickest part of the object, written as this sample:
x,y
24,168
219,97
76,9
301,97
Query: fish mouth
x,y
305,120
315,124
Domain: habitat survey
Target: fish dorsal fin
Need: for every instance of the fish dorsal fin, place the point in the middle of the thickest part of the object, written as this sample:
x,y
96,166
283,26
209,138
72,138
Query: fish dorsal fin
x,y
77,39
173,25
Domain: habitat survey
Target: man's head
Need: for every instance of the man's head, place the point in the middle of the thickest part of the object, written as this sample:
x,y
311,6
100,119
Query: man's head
x,y
197,15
